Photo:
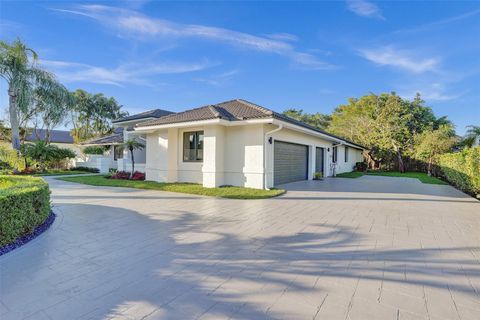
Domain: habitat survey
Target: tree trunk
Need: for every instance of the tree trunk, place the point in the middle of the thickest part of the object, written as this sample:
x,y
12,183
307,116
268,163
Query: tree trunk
x,y
133,162
429,168
14,119
401,165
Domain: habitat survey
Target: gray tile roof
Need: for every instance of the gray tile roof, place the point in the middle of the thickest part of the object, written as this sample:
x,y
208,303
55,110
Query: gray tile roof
x,y
233,110
156,113
56,136
116,138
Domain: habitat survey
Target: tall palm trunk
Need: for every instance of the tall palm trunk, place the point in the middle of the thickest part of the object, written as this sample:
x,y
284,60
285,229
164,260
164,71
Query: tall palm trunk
x,y
133,162
14,118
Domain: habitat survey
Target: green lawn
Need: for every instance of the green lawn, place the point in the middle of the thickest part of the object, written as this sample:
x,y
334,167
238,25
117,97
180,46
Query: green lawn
x,y
353,174
59,173
191,188
423,177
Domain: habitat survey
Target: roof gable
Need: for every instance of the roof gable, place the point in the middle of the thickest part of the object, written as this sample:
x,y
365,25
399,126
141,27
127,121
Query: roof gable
x,y
155,113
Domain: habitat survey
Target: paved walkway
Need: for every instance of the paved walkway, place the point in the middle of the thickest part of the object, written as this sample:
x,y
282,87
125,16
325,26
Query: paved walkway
x,y
367,248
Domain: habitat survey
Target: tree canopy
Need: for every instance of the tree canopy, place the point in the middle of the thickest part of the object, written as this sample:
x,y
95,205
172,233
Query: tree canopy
x,y
92,115
390,127
28,86
317,120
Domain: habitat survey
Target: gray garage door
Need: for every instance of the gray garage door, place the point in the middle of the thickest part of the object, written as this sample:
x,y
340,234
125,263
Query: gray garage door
x,y
290,162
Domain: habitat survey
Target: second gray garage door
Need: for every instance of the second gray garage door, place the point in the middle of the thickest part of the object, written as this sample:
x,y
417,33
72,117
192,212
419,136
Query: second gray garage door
x,y
290,162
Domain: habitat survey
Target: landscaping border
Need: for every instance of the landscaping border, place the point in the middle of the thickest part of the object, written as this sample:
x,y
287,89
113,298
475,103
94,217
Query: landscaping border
x,y
41,228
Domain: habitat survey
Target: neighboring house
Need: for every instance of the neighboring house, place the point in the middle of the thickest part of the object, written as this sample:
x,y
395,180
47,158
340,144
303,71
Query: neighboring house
x,y
241,144
59,138
115,157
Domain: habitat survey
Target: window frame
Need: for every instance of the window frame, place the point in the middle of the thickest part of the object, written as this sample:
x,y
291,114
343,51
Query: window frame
x,y
334,154
346,154
117,152
196,134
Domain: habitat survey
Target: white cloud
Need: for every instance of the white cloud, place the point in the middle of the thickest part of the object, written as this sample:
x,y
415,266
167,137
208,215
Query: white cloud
x,y
401,59
123,74
435,91
138,26
440,23
221,79
365,9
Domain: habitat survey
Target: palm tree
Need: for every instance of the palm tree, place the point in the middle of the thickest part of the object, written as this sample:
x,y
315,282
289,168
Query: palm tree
x,y
473,134
133,144
18,66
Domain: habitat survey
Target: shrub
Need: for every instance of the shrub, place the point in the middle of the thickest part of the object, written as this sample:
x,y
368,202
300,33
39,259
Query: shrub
x,y
462,169
24,204
47,155
361,166
123,175
317,176
86,169
94,150
138,175
10,159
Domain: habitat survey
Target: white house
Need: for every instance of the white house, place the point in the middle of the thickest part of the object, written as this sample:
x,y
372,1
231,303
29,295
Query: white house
x,y
115,157
241,144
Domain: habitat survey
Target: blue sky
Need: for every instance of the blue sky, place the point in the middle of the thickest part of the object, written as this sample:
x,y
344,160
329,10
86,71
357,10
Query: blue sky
x,y
307,55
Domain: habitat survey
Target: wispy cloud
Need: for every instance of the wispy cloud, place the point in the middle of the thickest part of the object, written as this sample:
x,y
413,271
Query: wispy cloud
x,y
123,74
219,80
365,9
431,92
401,59
440,23
134,24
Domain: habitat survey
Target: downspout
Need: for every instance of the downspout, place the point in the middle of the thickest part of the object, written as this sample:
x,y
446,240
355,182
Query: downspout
x,y
280,127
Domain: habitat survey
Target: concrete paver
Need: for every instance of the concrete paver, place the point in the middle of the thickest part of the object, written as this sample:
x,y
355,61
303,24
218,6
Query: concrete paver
x,y
366,248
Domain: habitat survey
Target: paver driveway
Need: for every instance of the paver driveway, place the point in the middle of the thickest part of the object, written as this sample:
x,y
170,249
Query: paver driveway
x,y
367,248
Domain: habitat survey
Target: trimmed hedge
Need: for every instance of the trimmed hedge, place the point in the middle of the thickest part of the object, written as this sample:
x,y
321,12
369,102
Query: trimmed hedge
x,y
462,169
24,205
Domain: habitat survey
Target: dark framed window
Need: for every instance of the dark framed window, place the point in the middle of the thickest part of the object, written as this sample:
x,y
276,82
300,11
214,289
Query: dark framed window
x,y
193,146
334,154
117,152
346,154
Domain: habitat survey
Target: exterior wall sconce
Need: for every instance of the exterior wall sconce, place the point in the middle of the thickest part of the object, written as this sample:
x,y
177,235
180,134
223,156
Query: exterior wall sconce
x,y
270,140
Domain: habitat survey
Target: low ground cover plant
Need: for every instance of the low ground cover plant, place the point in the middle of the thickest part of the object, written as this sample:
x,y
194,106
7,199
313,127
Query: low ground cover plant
x,y
24,205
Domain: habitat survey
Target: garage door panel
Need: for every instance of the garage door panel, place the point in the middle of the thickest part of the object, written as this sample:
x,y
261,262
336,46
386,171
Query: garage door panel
x,y
290,162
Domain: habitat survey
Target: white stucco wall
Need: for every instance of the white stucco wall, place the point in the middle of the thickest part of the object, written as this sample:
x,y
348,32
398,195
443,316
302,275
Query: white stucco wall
x,y
233,155
156,168
244,156
354,156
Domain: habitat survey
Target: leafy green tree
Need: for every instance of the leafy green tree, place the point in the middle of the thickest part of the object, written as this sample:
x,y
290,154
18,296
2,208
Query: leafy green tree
x,y
131,145
92,115
472,135
316,120
18,66
432,143
52,106
386,124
